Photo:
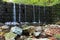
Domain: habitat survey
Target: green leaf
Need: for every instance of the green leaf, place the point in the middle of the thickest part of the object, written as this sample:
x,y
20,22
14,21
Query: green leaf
x,y
37,2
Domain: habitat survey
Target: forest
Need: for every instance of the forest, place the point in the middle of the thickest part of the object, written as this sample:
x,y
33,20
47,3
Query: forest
x,y
36,2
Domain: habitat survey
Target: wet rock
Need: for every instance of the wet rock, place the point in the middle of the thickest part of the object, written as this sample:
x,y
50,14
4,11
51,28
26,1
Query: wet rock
x,y
10,36
16,30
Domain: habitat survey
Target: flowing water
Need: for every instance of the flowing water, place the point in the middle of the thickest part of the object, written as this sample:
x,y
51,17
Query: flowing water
x,y
39,15
44,14
26,14
14,13
34,14
19,13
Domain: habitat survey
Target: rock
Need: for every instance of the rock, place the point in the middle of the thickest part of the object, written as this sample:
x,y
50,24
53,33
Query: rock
x,y
5,27
11,23
52,38
37,33
10,36
38,39
38,28
16,30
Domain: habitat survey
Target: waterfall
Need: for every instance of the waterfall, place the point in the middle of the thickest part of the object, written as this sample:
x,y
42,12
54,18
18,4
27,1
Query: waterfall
x,y
20,14
44,10
34,14
44,14
39,15
25,16
25,13
14,13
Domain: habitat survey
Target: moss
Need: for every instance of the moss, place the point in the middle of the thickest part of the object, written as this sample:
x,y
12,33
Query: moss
x,y
57,35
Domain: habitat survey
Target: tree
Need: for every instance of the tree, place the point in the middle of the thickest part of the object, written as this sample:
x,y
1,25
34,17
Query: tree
x,y
37,2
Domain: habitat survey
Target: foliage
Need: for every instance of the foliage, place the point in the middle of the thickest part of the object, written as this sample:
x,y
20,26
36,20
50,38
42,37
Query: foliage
x,y
57,35
37,2
56,14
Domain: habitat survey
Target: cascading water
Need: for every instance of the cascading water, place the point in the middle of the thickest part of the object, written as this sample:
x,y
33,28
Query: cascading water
x,y
14,14
44,14
44,10
25,13
39,15
34,14
20,14
25,16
